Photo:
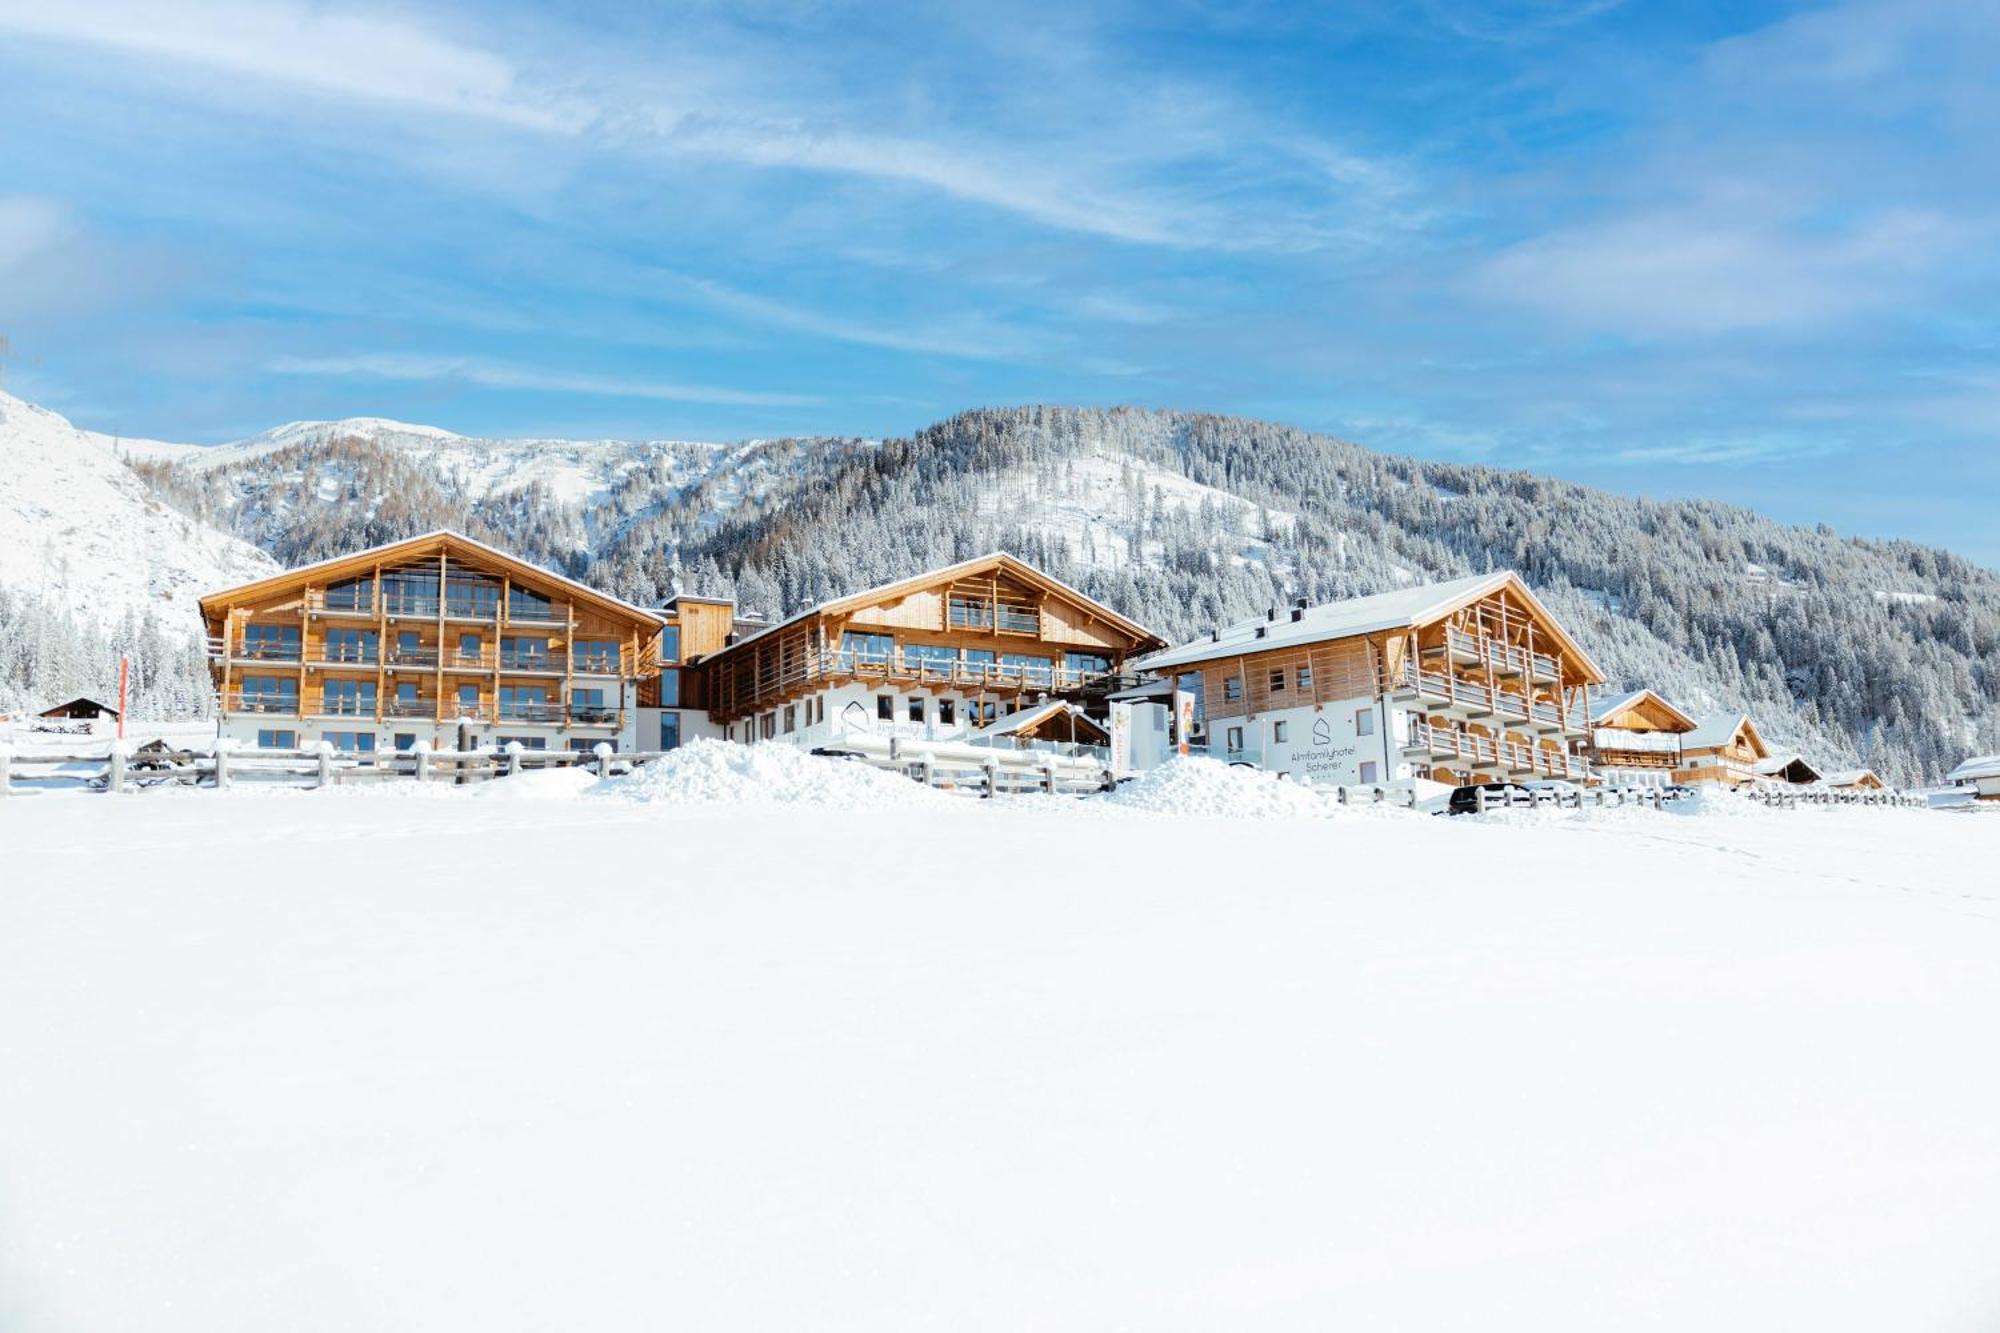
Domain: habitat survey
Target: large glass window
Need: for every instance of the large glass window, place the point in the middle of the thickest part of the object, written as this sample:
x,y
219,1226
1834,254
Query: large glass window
x,y
348,698
1038,670
351,595
524,703
588,705
351,742
410,592
670,731
931,655
670,688
1093,664
868,647
272,739
470,596
599,655
670,644
525,742
351,645
468,701
276,643
525,605
471,648
524,652
269,694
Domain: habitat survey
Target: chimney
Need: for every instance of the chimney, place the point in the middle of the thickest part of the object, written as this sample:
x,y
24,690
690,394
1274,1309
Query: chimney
x,y
1262,630
1300,603
1215,636
1270,613
729,638
1298,614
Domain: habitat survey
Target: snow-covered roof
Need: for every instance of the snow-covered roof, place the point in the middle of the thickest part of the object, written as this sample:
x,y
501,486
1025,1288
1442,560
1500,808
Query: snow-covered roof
x,y
442,534
1405,608
1778,763
1714,731
999,560
1849,777
1029,719
1635,698
1980,766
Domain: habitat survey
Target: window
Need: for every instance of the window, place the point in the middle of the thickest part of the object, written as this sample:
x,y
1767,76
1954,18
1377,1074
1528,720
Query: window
x,y
351,742
589,744
1306,679
916,706
588,705
670,688
470,649
768,724
410,592
524,652
269,694
791,718
819,709
468,701
1232,740
947,712
268,739
409,643
407,703
1369,773
405,741
868,647
1278,681
1089,664
670,644
670,731
970,613
1278,732
598,655
348,698
350,645
1232,689
978,657
525,703
471,596
931,656
1039,670
351,595
525,742
272,643
982,712
525,605
885,707
1364,722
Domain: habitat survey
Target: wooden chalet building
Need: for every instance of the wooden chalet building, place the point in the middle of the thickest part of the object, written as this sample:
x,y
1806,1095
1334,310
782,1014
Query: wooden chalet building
x,y
1789,770
1725,749
1979,775
1854,779
937,656
1636,741
80,709
1472,680
425,640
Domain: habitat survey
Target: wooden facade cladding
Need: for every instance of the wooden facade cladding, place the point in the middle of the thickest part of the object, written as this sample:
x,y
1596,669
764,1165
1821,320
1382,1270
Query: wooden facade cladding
x,y
432,630
1289,677
988,627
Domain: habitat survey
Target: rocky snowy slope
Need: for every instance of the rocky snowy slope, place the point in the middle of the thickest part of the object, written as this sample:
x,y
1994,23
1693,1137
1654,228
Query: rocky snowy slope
x,y
80,530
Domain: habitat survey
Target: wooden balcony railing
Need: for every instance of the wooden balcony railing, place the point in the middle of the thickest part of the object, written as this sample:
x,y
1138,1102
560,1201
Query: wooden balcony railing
x,y
1479,696
1452,745
1508,658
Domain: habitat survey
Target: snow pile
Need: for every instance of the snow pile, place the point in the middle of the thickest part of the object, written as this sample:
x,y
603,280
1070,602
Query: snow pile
x,y
548,784
1198,786
711,772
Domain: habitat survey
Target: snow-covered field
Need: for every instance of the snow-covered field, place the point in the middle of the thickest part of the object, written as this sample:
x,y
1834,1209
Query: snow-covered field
x,y
824,1054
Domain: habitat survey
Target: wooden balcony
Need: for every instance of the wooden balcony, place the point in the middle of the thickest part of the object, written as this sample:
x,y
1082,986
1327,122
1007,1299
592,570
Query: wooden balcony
x,y
1491,754
1477,699
1506,660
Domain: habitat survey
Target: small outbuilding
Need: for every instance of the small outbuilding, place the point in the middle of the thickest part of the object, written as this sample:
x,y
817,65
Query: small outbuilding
x,y
1058,721
1854,779
81,708
1788,768
1979,775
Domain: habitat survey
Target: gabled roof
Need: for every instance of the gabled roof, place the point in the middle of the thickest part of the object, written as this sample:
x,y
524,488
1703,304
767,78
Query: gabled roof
x,y
1979,766
1850,777
99,705
447,539
1684,723
1781,763
1719,729
1403,609
1029,719
995,562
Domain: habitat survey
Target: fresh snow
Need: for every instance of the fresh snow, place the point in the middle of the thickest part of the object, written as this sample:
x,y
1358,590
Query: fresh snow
x,y
712,772
337,1061
83,531
1203,786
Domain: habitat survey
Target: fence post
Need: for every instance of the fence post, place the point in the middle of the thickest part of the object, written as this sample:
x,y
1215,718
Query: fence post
x,y
603,752
1049,774
114,771
1479,799
222,747
924,773
1340,794
992,778
6,770
324,751
512,749
422,750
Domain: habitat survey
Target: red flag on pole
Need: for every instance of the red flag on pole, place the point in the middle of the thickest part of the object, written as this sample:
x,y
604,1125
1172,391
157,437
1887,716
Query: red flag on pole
x,y
124,672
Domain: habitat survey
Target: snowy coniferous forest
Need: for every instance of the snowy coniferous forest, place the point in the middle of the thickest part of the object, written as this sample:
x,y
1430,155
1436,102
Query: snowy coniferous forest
x,y
1857,651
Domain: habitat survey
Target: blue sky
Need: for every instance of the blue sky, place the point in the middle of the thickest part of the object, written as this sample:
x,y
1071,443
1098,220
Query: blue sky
x,y
1735,250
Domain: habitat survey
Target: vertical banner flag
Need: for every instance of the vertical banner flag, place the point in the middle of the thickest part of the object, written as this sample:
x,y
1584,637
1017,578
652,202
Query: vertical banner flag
x,y
1183,720
1121,740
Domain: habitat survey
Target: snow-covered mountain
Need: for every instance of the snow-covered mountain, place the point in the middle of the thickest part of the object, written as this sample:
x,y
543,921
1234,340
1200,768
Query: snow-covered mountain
x,y
81,531
1886,653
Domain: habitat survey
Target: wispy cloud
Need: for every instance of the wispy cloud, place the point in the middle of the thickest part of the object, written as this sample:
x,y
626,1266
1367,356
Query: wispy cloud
x,y
496,375
28,226
971,338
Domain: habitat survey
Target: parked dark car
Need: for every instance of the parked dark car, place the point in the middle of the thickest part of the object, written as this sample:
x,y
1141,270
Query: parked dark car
x,y
1465,800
